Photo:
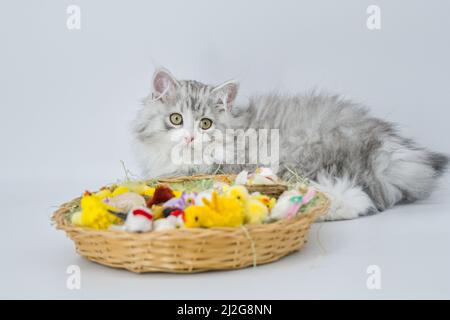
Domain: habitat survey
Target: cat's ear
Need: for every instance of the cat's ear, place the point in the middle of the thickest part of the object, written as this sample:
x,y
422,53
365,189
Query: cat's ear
x,y
163,83
226,93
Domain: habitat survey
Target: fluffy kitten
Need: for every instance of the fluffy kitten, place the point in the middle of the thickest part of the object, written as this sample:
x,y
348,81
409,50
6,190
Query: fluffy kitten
x,y
359,161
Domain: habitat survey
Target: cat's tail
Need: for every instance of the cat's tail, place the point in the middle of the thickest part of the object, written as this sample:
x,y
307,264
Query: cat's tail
x,y
402,171
439,162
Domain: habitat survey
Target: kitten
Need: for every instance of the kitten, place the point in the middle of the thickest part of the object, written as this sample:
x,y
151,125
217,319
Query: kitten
x,y
359,161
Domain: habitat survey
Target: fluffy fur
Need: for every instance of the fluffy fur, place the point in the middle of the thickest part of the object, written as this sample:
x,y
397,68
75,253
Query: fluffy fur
x,y
360,161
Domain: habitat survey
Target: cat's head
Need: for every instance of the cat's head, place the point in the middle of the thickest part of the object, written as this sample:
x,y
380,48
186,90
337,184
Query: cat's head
x,y
183,113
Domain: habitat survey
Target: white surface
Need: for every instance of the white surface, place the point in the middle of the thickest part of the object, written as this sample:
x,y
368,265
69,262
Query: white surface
x,y
67,98
410,244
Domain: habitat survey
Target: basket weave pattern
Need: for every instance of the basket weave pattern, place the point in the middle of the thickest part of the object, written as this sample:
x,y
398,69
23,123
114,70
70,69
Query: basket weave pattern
x,y
190,250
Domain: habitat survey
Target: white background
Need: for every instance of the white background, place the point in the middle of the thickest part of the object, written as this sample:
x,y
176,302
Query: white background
x,y
67,98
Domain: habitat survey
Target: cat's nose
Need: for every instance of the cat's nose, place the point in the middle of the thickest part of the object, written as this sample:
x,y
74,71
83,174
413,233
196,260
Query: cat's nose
x,y
189,139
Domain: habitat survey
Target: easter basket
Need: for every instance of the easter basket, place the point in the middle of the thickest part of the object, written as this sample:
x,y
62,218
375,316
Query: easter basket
x,y
190,250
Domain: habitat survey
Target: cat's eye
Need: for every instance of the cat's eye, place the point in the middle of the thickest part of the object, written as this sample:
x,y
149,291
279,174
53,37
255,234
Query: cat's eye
x,y
176,119
205,123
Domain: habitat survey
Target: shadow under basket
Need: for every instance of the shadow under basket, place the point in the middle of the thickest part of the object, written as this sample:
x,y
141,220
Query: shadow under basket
x,y
190,250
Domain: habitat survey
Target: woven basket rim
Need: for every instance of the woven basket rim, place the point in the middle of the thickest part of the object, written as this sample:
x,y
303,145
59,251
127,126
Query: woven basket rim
x,y
174,179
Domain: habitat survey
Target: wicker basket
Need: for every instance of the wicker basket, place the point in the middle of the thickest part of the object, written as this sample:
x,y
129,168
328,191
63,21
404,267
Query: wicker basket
x,y
195,249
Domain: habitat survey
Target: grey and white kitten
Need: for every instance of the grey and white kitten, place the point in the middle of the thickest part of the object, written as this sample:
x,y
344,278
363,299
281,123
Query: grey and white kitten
x,y
360,161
